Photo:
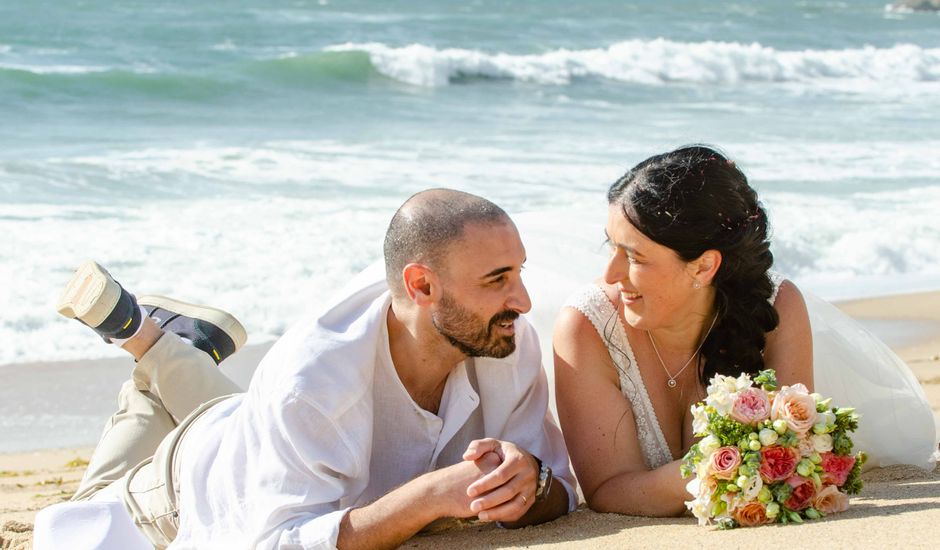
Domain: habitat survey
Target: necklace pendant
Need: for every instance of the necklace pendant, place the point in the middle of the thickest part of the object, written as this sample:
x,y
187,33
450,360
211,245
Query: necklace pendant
x,y
671,383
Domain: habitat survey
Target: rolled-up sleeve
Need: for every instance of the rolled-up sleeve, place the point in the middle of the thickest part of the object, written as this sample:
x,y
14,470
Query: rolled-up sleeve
x,y
283,478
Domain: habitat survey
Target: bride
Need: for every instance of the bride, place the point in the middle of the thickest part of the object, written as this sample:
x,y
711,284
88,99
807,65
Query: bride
x,y
687,293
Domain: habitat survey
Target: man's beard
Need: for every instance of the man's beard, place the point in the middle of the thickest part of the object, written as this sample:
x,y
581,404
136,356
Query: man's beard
x,y
468,333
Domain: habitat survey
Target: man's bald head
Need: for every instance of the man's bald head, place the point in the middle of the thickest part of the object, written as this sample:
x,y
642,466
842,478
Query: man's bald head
x,y
427,224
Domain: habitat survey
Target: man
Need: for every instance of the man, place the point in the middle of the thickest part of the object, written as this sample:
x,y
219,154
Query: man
x,y
413,397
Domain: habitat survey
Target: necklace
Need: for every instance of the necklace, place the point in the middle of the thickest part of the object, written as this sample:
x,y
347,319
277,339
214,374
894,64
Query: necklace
x,y
672,378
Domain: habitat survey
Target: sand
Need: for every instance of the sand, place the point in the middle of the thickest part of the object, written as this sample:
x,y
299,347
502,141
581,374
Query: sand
x,y
899,507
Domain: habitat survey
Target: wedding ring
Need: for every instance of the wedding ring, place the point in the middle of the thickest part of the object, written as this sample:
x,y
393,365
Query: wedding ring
x,y
524,501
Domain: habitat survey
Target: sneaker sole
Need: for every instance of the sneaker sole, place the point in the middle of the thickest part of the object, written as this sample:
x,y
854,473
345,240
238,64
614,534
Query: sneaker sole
x,y
222,319
90,295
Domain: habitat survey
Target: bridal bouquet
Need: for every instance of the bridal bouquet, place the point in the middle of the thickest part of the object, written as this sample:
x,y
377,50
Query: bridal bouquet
x,y
769,455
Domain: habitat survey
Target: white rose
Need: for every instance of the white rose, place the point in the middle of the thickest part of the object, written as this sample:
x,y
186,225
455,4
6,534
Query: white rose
x,y
721,402
699,505
720,380
720,394
743,381
822,443
699,509
699,420
693,486
701,471
750,489
709,445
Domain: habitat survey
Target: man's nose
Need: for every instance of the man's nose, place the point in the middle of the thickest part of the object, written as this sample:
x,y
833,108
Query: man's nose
x,y
519,298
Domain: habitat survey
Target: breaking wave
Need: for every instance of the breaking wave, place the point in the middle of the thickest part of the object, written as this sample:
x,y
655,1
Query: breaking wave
x,y
655,62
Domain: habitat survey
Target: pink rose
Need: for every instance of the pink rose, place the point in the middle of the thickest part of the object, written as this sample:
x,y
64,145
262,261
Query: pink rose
x,y
751,406
837,468
804,489
723,463
751,514
777,463
796,407
831,500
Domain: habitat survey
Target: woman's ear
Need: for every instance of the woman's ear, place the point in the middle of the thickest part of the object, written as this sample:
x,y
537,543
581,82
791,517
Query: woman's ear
x,y
420,284
706,266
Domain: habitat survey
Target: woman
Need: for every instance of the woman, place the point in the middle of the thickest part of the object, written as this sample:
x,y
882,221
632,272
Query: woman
x,y
686,294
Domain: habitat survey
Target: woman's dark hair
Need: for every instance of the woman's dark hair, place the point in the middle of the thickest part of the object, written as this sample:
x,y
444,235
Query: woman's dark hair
x,y
694,199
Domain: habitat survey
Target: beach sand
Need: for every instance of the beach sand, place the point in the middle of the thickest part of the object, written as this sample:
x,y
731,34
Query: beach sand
x,y
899,507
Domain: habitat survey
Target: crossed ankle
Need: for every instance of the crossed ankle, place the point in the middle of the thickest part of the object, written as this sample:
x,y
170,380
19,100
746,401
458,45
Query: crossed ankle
x,y
138,316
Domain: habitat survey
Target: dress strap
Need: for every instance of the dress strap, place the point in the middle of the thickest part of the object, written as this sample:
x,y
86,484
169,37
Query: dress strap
x,y
776,279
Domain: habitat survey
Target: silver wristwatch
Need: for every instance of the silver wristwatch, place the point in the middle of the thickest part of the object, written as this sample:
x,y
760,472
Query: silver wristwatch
x,y
544,483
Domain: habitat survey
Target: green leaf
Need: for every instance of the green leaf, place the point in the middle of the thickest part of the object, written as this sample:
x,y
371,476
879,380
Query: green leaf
x,y
781,492
841,443
725,524
766,379
853,483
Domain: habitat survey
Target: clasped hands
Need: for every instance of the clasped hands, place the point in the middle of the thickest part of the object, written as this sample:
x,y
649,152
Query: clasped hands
x,y
496,482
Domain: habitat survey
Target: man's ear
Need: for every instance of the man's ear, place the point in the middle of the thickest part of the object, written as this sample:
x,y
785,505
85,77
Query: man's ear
x,y
706,266
420,283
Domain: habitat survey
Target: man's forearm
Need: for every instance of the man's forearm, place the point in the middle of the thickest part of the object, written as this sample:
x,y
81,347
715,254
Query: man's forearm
x,y
392,519
389,521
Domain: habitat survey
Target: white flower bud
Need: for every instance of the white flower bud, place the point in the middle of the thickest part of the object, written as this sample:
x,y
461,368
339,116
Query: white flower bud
x,y
773,510
768,437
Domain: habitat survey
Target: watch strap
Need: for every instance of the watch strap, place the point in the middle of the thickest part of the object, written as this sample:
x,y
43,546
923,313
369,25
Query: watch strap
x,y
543,483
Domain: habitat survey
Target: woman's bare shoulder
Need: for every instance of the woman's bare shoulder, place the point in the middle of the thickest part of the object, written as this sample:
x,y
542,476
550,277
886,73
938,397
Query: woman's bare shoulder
x,y
574,326
789,303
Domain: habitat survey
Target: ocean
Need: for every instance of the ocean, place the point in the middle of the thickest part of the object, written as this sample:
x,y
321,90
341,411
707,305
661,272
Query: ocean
x,y
250,154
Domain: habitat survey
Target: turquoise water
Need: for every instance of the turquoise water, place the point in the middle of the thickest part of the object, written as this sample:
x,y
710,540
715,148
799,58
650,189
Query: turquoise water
x,y
250,154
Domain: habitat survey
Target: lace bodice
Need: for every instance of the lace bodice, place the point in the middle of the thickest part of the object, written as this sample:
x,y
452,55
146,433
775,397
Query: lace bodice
x,y
594,304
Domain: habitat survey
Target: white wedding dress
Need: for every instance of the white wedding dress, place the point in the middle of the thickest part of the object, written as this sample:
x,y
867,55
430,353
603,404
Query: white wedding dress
x,y
850,364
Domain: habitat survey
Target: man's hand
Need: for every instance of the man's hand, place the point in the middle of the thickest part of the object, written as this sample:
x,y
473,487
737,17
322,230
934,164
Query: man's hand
x,y
507,492
449,485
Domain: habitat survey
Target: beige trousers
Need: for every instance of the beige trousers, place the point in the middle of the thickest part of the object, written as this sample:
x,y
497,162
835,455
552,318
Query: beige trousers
x,y
135,460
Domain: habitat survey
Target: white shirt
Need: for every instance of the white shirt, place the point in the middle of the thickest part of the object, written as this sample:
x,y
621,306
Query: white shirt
x,y
327,425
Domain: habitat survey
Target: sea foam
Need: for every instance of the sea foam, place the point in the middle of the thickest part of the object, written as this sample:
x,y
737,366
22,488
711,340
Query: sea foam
x,y
657,62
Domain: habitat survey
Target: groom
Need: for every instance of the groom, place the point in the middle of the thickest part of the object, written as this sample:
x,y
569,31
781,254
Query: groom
x,y
411,397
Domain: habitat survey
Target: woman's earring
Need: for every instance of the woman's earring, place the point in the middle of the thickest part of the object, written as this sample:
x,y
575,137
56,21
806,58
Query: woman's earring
x,y
696,285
